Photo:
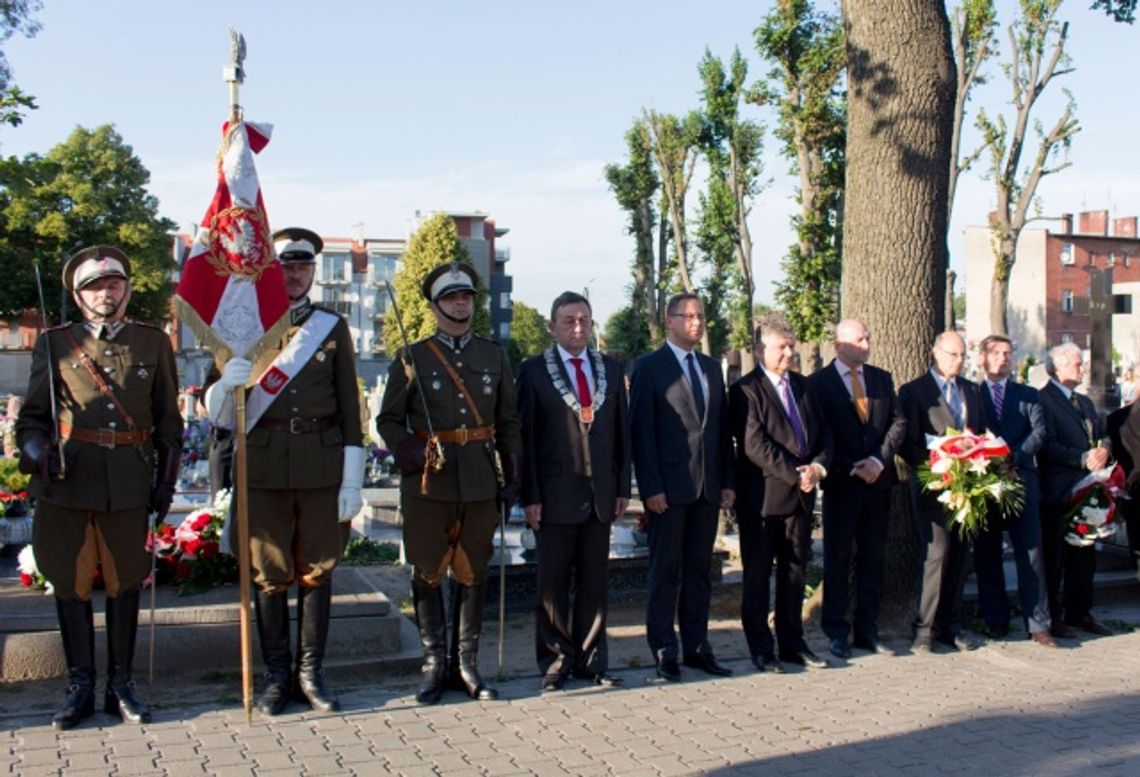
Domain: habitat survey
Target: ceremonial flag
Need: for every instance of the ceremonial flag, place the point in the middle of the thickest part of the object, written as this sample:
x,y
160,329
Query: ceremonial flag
x,y
232,290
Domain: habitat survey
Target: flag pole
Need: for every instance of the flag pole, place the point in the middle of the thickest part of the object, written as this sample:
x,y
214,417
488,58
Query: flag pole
x,y
234,76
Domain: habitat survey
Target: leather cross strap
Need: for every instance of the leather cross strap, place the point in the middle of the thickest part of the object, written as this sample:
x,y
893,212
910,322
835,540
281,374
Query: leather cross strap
x,y
458,381
105,437
100,381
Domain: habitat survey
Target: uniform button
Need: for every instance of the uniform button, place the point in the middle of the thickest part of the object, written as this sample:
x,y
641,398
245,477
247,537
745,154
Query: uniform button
x,y
463,410
459,364
460,396
292,391
296,410
110,405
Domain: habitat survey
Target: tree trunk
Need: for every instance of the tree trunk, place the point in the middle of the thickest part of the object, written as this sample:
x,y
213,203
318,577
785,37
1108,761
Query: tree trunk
x,y
999,302
951,319
901,84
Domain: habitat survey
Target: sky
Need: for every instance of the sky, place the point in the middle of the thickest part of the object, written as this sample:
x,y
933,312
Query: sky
x,y
382,109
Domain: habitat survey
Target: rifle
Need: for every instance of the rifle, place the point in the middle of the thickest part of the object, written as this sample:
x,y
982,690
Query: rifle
x,y
56,438
433,458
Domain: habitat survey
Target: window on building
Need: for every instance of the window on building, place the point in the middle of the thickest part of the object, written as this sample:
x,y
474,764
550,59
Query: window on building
x,y
1066,301
1122,303
334,267
504,330
1124,259
505,300
1067,254
1066,337
1112,259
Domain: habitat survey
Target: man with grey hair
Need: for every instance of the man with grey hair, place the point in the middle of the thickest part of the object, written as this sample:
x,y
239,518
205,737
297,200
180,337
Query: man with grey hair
x,y
785,450
1074,446
934,403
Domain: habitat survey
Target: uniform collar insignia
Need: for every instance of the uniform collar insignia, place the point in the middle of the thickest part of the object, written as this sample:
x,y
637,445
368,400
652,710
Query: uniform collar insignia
x,y
452,342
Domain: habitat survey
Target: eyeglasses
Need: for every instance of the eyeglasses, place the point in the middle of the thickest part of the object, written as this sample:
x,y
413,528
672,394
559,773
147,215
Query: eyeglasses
x,y
689,316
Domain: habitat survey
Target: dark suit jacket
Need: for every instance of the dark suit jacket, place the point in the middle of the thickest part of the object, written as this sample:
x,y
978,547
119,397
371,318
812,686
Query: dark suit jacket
x,y
881,436
554,457
1022,426
1123,428
1061,461
768,482
926,413
675,452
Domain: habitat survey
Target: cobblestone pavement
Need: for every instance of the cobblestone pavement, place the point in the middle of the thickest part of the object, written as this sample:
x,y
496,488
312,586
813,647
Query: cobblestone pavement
x,y
1009,708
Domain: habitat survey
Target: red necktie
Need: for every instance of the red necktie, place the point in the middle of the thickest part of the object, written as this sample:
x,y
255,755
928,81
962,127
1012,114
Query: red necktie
x,y
583,384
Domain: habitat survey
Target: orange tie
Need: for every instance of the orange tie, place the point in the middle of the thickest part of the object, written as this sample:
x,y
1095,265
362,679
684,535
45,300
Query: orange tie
x,y
860,397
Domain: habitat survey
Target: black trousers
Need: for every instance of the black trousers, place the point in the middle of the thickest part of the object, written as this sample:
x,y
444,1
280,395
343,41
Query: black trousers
x,y
1025,536
787,541
1068,565
572,554
680,561
943,557
854,525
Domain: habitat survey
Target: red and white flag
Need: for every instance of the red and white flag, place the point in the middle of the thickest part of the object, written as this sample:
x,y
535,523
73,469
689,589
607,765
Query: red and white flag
x,y
232,290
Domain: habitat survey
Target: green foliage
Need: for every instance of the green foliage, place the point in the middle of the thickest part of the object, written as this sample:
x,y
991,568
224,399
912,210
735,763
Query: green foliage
x,y
88,190
15,17
806,50
12,481
530,334
363,552
1119,10
960,306
732,146
435,242
627,333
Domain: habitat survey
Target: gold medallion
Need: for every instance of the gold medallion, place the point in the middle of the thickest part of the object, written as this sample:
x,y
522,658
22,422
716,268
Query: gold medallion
x,y
587,415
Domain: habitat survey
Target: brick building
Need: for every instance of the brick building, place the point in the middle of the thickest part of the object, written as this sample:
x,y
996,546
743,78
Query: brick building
x,y
1049,285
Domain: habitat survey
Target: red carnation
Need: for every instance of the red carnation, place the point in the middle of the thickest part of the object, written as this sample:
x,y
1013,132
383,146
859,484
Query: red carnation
x,y
1082,529
201,522
209,549
191,547
26,580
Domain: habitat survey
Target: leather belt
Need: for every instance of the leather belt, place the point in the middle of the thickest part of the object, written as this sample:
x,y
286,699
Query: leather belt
x,y
460,436
300,425
105,438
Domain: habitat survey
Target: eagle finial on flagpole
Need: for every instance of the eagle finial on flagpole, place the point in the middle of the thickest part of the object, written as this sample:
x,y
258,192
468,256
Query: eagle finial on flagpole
x,y
234,73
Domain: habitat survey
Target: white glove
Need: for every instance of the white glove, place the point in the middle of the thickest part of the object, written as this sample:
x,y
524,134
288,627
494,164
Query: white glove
x,y
235,373
349,500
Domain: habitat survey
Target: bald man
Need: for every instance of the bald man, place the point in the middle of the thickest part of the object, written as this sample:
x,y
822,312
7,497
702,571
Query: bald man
x,y
867,424
938,401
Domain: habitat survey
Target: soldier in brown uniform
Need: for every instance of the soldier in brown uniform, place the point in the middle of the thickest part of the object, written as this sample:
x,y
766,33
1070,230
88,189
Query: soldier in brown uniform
x,y
305,468
116,403
451,484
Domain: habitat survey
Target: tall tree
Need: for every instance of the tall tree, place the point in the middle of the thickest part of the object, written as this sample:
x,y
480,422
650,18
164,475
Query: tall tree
x,y
972,26
530,333
435,241
1037,56
635,185
88,190
15,17
627,334
732,146
675,144
806,50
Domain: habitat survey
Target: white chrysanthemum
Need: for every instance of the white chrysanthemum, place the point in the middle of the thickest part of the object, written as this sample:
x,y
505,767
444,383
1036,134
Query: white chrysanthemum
x,y
941,466
979,465
1093,516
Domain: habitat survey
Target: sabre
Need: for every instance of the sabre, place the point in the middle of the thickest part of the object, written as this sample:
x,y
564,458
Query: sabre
x,y
503,510
153,585
56,438
437,463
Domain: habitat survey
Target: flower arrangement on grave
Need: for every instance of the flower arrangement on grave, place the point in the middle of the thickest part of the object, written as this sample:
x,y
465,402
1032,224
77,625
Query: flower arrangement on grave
x,y
30,576
13,489
190,555
971,472
1092,506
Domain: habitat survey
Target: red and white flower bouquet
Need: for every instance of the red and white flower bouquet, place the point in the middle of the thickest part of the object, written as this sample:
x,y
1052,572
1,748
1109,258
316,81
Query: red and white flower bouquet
x,y
30,575
189,555
1092,506
970,472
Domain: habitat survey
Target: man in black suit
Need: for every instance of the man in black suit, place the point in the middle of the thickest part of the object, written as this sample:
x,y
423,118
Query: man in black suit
x,y
860,407
937,401
785,451
1074,446
575,482
1013,412
682,453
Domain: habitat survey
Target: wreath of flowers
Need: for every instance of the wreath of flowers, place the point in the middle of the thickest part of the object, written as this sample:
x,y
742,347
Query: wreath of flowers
x,y
1092,506
189,555
970,472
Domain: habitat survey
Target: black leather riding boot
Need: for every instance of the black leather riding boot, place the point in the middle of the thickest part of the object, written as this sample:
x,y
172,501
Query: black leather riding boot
x,y
428,603
122,627
273,632
313,613
468,627
77,629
